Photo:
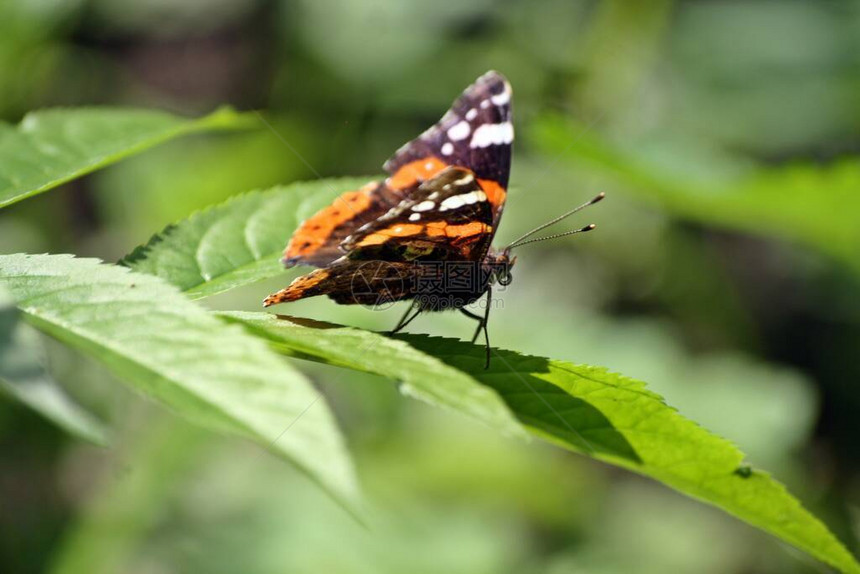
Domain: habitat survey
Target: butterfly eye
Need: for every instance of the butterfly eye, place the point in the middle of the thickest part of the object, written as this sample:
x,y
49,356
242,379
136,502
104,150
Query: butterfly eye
x,y
505,279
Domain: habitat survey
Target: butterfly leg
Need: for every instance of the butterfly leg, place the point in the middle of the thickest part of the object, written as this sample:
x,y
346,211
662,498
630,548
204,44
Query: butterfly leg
x,y
401,324
482,324
477,318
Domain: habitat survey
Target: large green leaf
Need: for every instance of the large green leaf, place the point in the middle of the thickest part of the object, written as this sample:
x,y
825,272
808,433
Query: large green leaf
x,y
588,410
811,204
593,412
237,242
171,349
421,375
23,376
53,146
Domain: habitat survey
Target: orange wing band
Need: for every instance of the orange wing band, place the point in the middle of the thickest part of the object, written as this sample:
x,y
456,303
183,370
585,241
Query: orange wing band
x,y
432,229
314,232
416,172
495,193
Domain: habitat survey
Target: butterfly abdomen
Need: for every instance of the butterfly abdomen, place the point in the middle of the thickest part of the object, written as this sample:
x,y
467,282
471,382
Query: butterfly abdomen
x,y
317,282
351,282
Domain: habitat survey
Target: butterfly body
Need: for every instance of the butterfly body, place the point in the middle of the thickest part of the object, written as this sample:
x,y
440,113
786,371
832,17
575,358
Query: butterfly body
x,y
423,233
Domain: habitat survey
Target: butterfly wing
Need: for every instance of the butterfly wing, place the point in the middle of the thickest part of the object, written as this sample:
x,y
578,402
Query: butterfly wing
x,y
476,133
448,218
317,240
351,282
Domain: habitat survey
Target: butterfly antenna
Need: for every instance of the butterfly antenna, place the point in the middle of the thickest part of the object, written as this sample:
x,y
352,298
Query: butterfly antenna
x,y
519,241
556,236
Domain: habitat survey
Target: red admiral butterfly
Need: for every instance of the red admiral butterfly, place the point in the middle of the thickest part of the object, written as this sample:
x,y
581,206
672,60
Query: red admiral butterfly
x,y
423,233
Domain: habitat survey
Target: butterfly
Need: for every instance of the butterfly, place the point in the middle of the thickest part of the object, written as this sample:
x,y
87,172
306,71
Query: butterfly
x,y
424,233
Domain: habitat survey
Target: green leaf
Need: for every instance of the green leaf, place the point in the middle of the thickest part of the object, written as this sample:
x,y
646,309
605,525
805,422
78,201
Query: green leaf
x,y
602,414
421,375
53,146
810,204
593,412
237,242
174,351
24,377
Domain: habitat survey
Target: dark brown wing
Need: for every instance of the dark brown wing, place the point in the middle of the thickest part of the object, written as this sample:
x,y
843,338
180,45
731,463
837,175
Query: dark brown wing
x,y
448,218
350,282
476,133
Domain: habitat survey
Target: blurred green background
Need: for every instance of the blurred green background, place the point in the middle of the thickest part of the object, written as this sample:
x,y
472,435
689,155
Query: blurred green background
x,y
725,273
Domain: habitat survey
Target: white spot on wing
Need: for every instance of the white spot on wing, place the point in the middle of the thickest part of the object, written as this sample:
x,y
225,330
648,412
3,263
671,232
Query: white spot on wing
x,y
485,104
428,166
464,180
475,197
425,205
459,131
415,217
471,114
493,134
447,148
452,202
501,99
457,201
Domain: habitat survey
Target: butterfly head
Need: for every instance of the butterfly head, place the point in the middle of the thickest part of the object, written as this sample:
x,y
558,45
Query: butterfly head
x,y
499,264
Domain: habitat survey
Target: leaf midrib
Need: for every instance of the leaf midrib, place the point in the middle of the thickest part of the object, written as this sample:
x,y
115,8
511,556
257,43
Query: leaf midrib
x,y
118,151
83,338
